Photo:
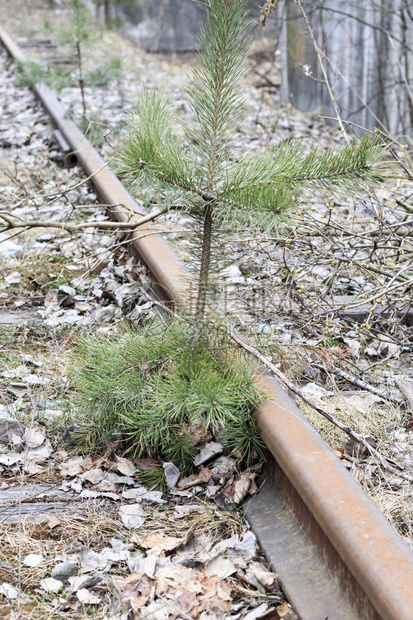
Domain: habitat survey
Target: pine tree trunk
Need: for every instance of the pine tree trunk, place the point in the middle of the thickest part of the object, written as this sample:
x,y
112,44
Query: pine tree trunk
x,y
203,275
81,80
108,21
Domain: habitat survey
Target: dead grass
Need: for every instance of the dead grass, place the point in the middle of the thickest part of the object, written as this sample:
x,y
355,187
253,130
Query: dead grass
x,y
210,522
374,419
53,539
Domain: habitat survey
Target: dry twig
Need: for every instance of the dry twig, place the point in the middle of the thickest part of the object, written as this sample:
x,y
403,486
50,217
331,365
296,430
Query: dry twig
x,y
73,228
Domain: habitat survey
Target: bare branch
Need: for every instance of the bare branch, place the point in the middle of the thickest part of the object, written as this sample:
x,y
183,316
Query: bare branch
x,y
74,228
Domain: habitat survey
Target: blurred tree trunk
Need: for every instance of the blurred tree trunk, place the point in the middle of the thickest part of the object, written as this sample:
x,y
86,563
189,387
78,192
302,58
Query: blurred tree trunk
x,y
107,9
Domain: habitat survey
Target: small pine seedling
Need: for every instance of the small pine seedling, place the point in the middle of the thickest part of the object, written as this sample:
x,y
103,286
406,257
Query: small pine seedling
x,y
159,391
160,396
78,33
204,171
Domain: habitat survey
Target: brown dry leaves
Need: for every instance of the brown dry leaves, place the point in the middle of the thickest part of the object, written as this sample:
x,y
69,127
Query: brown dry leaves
x,y
242,485
185,590
202,477
158,542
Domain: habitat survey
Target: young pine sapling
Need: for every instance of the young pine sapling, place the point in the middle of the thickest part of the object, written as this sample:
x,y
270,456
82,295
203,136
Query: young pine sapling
x,y
77,34
165,388
202,169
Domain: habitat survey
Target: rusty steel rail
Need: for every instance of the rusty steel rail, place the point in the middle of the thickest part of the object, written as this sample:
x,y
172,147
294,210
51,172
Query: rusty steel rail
x,y
337,557
162,262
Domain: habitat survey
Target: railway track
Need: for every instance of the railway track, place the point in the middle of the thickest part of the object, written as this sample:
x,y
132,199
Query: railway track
x,y
336,555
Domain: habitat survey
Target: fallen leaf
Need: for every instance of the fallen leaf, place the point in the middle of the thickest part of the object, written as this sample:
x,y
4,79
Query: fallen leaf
x,y
41,453
35,435
217,595
262,574
33,468
137,604
107,486
87,598
224,465
212,594
33,559
92,561
157,610
11,458
75,582
138,563
208,452
134,586
112,477
75,466
64,570
104,460
285,611
9,591
188,604
142,495
51,585
132,515
9,427
94,476
223,567
177,579
240,551
147,464
242,486
203,476
13,278
181,512
158,543
53,522
125,466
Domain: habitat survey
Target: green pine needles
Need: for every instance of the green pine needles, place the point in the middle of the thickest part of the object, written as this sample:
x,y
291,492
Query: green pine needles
x,y
160,396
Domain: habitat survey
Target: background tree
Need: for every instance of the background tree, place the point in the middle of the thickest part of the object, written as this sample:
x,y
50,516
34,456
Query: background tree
x,y
108,9
203,170
77,34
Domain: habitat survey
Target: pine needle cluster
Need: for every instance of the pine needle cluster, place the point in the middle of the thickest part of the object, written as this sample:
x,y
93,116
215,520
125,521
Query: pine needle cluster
x,y
161,396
